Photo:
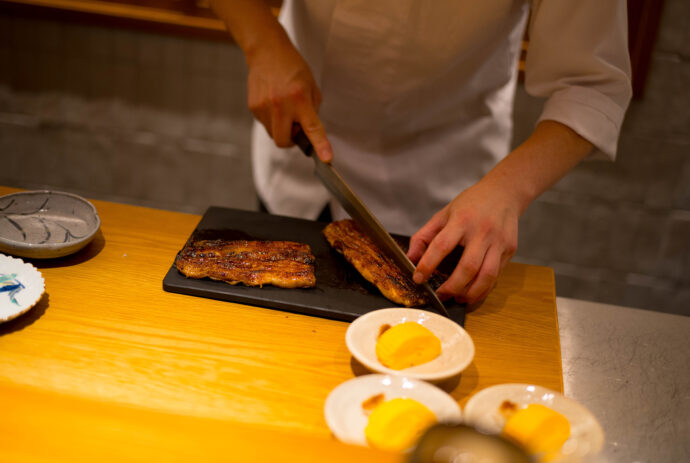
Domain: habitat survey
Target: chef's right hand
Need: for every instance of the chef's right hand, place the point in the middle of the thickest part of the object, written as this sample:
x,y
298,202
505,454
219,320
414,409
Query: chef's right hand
x,y
282,92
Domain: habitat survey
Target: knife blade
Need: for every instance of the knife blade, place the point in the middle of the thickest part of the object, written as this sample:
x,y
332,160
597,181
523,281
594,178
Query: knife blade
x,y
369,224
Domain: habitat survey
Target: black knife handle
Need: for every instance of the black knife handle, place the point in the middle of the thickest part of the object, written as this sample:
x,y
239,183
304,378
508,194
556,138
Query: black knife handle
x,y
301,140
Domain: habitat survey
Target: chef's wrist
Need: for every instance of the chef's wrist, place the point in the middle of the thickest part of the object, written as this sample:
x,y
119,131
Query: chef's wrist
x,y
516,192
544,158
267,45
252,24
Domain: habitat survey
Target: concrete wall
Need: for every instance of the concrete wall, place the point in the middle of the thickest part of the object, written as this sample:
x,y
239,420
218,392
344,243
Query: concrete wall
x,y
620,232
124,115
161,121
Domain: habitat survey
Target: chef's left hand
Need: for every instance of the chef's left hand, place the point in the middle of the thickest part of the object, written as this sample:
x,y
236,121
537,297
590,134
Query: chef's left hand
x,y
484,220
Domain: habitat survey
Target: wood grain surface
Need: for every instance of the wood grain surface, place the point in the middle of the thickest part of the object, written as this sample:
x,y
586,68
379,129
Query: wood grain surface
x,y
131,10
106,336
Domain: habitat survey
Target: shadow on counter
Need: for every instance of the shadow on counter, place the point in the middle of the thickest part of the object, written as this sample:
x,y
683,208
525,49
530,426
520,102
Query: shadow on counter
x,y
85,254
27,318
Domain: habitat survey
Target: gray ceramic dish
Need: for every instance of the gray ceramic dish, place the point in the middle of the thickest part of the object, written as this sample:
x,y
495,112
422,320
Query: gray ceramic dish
x,y
46,224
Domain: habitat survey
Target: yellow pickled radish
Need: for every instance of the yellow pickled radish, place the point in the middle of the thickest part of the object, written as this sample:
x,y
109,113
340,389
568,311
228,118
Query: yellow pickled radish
x,y
397,424
406,345
539,429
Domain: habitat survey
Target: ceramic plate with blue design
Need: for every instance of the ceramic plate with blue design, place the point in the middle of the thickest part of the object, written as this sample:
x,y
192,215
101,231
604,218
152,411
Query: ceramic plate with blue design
x,y
21,287
45,224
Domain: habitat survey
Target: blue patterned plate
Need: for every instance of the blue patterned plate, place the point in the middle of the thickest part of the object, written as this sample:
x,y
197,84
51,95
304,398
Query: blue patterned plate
x,y
21,287
46,224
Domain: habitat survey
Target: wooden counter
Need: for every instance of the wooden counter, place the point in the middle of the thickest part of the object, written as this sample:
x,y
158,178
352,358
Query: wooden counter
x,y
107,353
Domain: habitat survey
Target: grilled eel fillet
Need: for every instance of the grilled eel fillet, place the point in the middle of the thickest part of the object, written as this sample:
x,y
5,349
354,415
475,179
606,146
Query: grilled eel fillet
x,y
373,265
286,264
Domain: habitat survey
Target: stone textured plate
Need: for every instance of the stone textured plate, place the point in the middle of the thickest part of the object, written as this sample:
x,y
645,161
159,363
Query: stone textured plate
x,y
45,224
21,287
457,348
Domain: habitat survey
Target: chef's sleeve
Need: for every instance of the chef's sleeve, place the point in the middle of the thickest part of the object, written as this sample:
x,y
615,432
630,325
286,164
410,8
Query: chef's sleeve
x,y
578,60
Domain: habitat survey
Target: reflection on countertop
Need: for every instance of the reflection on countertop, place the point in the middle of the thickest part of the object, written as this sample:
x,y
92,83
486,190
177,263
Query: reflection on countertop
x,y
631,368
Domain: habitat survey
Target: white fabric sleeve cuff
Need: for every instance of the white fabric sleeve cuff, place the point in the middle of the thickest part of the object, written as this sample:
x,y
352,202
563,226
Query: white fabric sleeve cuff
x,y
591,114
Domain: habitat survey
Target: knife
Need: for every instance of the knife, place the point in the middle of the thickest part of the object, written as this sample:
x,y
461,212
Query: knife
x,y
362,216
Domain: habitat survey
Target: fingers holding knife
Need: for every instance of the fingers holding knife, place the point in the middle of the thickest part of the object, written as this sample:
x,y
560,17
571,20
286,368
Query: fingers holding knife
x,y
282,92
313,128
283,120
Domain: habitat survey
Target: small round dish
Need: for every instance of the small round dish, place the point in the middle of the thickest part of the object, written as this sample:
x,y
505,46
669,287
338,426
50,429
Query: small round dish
x,y
46,224
347,418
457,348
586,435
21,287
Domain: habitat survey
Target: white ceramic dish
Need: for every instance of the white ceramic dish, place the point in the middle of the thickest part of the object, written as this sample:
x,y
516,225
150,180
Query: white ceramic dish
x,y
457,348
586,435
21,287
46,224
347,419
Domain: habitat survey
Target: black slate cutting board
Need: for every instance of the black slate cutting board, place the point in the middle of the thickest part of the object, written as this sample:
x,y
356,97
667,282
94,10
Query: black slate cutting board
x,y
340,292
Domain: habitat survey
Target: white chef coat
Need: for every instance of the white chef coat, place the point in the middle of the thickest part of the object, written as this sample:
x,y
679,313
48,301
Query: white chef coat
x,y
418,95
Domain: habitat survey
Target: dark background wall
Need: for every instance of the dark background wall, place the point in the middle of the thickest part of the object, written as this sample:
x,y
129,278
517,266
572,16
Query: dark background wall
x,y
620,232
161,120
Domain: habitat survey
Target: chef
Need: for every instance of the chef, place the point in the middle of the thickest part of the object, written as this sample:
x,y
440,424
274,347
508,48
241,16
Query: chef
x,y
411,101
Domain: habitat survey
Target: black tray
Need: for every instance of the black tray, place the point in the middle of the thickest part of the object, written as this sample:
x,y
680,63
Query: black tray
x,y
340,292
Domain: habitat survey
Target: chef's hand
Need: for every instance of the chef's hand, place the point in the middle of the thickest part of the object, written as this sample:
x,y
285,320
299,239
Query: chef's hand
x,y
281,87
482,219
282,92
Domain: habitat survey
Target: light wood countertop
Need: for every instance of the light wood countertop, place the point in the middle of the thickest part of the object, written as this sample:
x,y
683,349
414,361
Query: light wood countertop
x,y
108,353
